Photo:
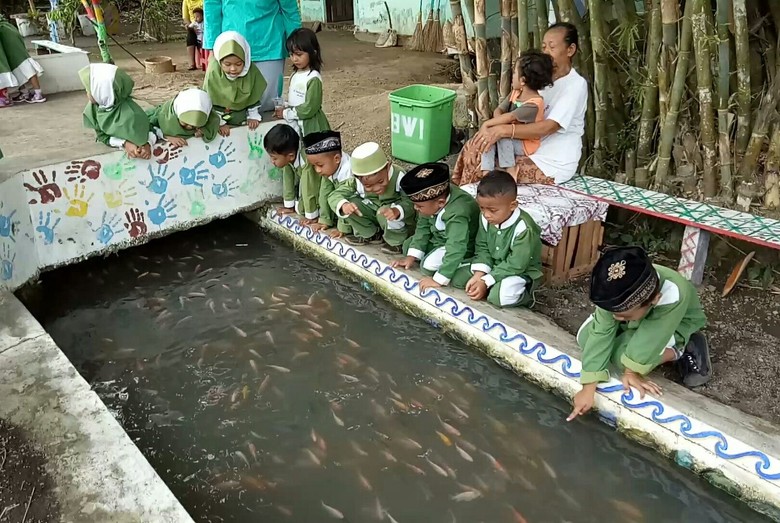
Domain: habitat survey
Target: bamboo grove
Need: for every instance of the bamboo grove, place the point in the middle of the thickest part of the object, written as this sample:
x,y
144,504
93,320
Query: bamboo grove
x,y
683,93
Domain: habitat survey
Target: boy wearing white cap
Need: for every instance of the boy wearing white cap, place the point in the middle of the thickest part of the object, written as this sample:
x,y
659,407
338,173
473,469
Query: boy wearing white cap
x,y
374,206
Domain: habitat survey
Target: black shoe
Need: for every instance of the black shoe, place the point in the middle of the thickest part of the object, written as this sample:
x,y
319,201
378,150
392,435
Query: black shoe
x,y
392,249
359,240
695,365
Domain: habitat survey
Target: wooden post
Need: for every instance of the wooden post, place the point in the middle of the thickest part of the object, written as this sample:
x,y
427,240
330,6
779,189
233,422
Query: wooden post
x,y
693,254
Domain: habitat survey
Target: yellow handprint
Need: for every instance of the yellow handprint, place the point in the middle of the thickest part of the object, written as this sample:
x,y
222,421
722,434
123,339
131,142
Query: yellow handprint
x,y
119,197
79,202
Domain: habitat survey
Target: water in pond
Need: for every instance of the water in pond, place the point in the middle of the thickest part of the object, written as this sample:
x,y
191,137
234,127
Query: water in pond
x,y
264,387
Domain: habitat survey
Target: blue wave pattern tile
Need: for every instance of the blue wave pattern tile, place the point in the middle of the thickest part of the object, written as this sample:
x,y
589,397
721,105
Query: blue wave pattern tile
x,y
725,447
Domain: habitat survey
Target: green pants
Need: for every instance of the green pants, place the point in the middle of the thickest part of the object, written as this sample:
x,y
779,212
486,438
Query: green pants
x,y
301,190
620,344
366,226
512,291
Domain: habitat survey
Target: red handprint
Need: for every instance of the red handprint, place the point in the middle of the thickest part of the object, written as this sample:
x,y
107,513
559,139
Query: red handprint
x,y
47,191
135,224
165,152
83,170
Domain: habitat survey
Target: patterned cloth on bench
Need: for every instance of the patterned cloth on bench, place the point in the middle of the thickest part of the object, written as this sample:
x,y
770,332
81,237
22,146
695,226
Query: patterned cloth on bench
x,y
554,208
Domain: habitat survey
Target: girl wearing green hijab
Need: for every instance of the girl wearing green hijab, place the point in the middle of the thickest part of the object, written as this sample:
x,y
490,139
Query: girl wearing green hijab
x,y
187,115
117,120
233,82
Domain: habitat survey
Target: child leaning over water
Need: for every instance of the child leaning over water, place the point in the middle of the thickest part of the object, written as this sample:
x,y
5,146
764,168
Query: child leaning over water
x,y
446,226
234,83
507,263
188,114
533,72
304,98
117,120
324,153
300,182
645,315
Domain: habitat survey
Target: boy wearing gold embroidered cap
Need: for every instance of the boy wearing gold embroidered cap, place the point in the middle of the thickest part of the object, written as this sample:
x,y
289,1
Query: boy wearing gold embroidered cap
x,y
645,315
323,150
371,204
446,228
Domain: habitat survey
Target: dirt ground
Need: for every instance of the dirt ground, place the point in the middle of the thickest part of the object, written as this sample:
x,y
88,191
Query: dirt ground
x,y
25,488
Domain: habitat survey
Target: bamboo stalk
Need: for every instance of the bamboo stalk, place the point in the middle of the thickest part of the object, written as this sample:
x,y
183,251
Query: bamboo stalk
x,y
663,85
742,47
513,29
493,90
506,48
483,65
647,121
704,79
678,90
724,70
464,58
541,20
599,80
669,16
535,42
766,111
556,9
522,25
772,171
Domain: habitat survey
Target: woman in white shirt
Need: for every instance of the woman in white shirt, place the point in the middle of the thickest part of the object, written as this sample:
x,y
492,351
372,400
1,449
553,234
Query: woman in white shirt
x,y
560,132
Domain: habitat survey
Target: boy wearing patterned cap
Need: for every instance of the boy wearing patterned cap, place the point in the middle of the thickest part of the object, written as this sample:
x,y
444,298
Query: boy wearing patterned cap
x,y
323,150
446,228
645,315
371,204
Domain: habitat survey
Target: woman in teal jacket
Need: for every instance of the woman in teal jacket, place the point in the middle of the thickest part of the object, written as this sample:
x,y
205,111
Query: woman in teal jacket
x,y
265,24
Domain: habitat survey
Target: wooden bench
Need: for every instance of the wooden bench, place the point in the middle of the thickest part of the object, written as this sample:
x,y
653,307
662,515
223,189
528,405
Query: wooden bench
x,y
700,219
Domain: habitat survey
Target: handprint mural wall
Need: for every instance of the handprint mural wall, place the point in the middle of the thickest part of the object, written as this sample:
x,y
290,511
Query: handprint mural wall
x,y
55,214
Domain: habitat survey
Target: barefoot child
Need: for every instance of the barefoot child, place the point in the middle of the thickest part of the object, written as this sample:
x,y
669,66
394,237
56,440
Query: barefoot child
x,y
323,151
446,227
188,114
117,120
373,207
645,315
507,263
305,94
233,82
300,182
533,72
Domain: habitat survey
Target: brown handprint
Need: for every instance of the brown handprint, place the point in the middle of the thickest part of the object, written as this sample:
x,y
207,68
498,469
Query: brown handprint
x,y
83,170
47,191
135,223
165,152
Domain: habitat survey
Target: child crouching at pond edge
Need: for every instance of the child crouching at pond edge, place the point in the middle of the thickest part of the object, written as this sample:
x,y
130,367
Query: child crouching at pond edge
x,y
324,153
117,120
446,227
300,182
188,114
645,315
507,263
234,83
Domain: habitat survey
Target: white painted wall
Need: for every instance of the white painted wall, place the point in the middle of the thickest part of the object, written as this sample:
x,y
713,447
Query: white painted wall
x,y
65,212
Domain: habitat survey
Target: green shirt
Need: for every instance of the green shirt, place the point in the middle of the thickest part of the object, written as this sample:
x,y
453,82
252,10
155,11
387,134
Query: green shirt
x,y
164,118
329,198
454,228
302,174
672,321
392,197
512,249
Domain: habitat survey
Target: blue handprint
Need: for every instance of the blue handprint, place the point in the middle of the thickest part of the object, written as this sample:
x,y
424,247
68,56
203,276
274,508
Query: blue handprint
x,y
224,189
107,230
7,263
157,215
221,158
46,228
159,183
193,175
7,224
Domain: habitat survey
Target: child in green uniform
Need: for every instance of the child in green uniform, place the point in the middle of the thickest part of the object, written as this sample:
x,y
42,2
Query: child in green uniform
x,y
300,182
507,263
446,228
304,98
323,150
117,120
372,205
645,315
234,83
188,114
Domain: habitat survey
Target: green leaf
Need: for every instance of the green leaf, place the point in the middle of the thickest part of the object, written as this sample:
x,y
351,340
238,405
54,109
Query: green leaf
x,y
626,238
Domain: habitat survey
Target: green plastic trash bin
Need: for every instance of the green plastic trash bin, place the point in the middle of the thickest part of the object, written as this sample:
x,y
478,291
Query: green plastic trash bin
x,y
421,123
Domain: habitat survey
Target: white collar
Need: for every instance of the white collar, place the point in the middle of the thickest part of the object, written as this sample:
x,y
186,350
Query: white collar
x,y
344,172
445,205
511,220
298,162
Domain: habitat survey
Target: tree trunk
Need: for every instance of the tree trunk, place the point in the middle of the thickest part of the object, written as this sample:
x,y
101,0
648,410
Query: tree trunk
x,y
599,80
483,63
701,45
678,90
513,30
772,172
669,16
742,46
766,111
522,25
647,120
506,48
541,20
724,70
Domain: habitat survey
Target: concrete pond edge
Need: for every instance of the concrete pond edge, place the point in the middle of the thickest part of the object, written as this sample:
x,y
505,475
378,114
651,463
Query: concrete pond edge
x,y
741,469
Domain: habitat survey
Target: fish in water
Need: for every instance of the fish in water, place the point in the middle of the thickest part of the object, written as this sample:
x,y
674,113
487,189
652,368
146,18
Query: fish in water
x,y
254,367
349,379
240,455
264,383
449,429
364,482
444,439
436,468
468,495
463,454
352,343
312,457
460,412
256,354
338,420
279,368
390,518
357,449
518,518
332,512
239,331
270,337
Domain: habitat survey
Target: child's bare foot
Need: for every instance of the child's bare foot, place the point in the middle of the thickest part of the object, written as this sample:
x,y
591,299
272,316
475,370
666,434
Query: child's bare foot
x,y
285,210
335,233
318,226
